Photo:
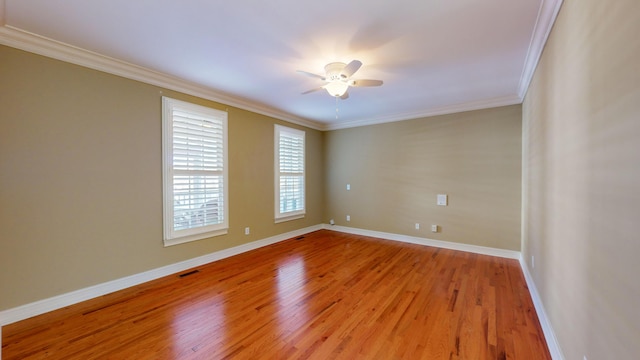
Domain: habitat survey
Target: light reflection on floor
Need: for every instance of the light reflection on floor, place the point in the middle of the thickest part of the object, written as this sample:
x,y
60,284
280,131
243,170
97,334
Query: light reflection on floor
x,y
291,281
195,324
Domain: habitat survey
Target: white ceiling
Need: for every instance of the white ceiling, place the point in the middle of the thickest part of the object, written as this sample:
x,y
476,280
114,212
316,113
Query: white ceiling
x,y
434,56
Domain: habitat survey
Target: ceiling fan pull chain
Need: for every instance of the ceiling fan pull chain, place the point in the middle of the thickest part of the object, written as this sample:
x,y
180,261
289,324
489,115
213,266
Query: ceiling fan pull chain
x,y
336,107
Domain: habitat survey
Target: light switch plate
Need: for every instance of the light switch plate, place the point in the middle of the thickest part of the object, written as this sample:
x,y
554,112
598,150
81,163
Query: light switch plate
x,y
442,199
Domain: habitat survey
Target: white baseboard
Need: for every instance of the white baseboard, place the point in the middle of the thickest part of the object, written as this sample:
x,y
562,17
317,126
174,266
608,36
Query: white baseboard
x,y
57,302
549,334
510,254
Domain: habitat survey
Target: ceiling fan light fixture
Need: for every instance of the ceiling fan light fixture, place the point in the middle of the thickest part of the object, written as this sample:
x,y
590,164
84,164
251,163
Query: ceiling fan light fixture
x,y
336,88
337,78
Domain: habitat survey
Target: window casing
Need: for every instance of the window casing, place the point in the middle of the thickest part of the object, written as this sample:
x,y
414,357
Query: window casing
x,y
289,173
195,176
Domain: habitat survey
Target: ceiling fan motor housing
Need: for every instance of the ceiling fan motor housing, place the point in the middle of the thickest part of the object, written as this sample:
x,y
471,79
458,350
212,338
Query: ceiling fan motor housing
x,y
333,71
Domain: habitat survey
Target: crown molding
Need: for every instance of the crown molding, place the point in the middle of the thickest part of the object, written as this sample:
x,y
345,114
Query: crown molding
x,y
24,40
20,39
547,14
443,110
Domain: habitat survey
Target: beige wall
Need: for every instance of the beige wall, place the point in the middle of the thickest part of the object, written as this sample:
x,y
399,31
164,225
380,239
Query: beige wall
x,y
396,170
581,193
81,178
81,190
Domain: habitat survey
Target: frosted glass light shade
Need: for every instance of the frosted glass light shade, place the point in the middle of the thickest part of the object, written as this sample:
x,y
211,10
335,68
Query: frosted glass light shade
x,y
336,88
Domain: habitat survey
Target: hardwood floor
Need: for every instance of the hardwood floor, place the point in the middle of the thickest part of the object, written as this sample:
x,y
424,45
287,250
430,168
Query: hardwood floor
x,y
328,295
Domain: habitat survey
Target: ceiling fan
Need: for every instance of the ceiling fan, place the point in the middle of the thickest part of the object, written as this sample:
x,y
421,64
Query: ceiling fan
x,y
338,78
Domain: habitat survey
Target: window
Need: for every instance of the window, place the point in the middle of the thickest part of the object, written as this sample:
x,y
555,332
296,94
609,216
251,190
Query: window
x,y
289,174
194,164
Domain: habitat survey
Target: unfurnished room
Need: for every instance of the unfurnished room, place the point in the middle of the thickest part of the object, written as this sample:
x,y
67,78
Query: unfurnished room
x,y
279,179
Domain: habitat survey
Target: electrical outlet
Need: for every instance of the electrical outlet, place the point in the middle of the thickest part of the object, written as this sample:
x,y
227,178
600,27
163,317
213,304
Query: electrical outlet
x,y
332,222
417,226
434,228
348,186
348,218
247,231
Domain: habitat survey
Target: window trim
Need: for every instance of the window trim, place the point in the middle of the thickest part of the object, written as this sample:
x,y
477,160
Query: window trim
x,y
171,236
290,215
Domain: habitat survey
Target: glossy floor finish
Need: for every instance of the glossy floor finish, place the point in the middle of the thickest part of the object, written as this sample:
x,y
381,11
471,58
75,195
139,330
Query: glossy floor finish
x,y
328,295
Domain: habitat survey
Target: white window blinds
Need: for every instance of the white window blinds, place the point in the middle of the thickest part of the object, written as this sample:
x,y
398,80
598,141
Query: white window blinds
x,y
290,173
195,172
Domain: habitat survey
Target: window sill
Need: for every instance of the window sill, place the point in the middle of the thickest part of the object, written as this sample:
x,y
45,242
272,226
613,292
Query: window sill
x,y
195,237
289,218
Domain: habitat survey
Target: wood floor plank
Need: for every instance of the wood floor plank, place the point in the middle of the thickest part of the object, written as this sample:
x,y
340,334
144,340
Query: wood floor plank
x,y
328,295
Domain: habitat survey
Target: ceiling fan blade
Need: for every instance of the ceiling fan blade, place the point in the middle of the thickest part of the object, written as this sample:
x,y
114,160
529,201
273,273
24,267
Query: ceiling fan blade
x,y
350,69
312,90
365,82
311,74
345,96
